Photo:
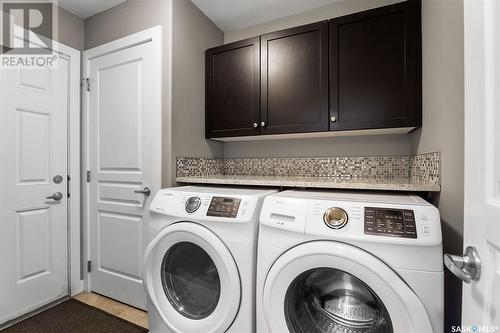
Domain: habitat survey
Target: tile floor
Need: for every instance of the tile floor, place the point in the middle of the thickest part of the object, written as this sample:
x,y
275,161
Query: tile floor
x,y
115,308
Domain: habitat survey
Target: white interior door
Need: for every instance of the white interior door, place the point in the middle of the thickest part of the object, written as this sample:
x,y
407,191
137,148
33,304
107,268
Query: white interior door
x,y
124,111
481,297
33,150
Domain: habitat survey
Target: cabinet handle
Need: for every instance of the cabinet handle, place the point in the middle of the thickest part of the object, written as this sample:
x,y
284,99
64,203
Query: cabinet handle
x,y
255,125
263,124
333,119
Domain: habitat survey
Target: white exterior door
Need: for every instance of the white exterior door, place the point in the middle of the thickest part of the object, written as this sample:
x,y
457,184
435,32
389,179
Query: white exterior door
x,y
124,129
481,297
33,151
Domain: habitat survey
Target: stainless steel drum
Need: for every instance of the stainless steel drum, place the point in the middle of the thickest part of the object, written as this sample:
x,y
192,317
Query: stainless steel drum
x,y
326,300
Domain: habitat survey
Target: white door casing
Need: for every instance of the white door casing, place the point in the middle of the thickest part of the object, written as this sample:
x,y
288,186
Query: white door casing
x,y
123,109
481,299
37,106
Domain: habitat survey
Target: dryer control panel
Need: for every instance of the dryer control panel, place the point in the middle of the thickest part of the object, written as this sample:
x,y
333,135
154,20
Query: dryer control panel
x,y
390,222
224,207
192,203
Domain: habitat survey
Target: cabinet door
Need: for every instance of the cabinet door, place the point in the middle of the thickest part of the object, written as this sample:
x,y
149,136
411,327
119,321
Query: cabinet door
x,y
376,68
294,80
233,89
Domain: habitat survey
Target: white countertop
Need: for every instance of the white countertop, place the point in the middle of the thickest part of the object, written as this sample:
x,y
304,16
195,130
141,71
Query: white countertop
x,y
390,184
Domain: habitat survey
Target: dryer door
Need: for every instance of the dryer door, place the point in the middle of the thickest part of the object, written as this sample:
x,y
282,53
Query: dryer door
x,y
326,286
192,279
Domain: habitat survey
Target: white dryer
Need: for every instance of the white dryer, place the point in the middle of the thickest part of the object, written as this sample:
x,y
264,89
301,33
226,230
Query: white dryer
x,y
349,262
199,264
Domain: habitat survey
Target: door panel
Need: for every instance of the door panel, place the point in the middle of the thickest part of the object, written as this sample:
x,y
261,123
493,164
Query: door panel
x,y
37,80
481,296
33,229
33,150
122,233
232,89
34,241
375,68
120,108
124,131
294,82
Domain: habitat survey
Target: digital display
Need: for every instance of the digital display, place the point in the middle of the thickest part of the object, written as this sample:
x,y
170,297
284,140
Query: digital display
x,y
390,222
224,207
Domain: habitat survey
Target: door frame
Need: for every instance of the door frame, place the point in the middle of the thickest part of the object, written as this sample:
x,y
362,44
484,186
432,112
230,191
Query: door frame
x,y
154,36
75,281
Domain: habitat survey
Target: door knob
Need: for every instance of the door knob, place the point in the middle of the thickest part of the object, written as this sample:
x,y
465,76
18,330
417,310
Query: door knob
x,y
255,125
263,124
467,267
56,196
57,179
333,119
146,191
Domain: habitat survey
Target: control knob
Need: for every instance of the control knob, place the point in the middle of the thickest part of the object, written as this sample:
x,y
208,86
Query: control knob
x,y
335,218
192,204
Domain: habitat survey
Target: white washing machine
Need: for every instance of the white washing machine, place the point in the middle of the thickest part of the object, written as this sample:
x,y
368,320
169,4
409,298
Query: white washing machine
x,y
349,262
199,264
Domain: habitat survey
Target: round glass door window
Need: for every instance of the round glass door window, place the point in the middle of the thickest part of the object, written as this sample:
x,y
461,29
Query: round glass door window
x,y
190,280
327,300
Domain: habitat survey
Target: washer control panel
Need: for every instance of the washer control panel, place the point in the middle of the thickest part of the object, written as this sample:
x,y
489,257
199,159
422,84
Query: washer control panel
x,y
224,207
390,222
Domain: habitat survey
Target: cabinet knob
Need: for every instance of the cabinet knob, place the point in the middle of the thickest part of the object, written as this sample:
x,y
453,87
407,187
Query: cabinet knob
x,y
263,124
255,125
333,119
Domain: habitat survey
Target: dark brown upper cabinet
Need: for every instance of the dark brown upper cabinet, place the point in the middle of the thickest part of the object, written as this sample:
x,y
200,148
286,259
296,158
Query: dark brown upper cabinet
x,y
294,80
232,98
356,72
375,68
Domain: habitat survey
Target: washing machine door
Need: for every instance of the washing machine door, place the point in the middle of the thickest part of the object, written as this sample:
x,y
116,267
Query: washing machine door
x,y
191,279
326,286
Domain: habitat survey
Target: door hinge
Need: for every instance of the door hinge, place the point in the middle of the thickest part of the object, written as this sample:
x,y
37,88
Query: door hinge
x,y
68,185
86,83
89,266
88,176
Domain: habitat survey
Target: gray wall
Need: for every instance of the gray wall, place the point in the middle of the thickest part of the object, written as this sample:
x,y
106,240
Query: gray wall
x,y
341,146
193,33
127,18
70,29
338,9
443,116
443,123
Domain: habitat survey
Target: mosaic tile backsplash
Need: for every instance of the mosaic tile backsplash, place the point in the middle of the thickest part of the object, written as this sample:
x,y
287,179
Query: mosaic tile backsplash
x,y
424,168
